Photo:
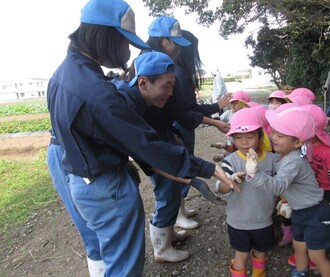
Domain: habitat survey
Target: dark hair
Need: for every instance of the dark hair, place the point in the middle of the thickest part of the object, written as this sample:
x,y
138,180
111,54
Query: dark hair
x,y
281,100
101,43
155,44
190,62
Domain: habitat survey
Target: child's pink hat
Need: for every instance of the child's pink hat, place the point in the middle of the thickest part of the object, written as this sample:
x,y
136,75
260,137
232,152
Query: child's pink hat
x,y
321,121
261,110
303,92
295,122
251,104
278,94
301,100
244,121
241,96
286,106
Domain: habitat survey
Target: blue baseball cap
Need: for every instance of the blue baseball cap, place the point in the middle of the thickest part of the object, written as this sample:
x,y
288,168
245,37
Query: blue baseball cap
x,y
167,27
113,13
152,63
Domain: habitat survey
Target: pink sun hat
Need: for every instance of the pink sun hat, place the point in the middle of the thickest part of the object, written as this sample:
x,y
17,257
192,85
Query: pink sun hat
x,y
241,96
303,92
301,100
286,106
321,121
295,122
278,94
244,121
261,110
251,104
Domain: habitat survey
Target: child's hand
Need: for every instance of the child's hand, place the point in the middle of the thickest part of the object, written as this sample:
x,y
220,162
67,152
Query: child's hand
x,y
238,177
219,145
251,165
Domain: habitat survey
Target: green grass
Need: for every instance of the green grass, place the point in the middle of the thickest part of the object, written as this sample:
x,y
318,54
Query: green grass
x,y
26,186
23,107
33,125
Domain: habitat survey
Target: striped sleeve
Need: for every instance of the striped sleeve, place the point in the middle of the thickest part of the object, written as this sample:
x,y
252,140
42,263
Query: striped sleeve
x,y
227,167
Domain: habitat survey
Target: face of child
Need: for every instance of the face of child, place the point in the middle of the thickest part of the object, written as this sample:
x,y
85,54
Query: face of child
x,y
284,144
245,141
234,105
273,103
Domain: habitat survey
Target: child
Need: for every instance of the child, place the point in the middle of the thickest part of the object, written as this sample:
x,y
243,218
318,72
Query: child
x,y
293,129
320,158
239,100
249,212
276,99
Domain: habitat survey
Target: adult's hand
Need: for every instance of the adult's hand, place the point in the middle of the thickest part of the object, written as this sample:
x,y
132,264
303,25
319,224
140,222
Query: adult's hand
x,y
221,175
224,100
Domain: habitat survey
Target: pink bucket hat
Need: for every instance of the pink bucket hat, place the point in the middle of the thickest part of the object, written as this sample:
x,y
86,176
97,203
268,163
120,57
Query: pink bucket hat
x,y
278,94
321,121
303,92
301,100
240,96
244,121
295,122
286,106
261,110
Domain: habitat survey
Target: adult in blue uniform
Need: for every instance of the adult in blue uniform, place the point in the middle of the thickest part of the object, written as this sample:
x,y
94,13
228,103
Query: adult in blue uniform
x,y
98,132
190,79
60,179
165,36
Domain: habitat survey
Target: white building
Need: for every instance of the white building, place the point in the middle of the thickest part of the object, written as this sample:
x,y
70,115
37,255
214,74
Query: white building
x,y
23,89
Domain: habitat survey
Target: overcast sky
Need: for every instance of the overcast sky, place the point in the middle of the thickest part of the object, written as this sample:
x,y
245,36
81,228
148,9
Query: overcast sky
x,y
34,37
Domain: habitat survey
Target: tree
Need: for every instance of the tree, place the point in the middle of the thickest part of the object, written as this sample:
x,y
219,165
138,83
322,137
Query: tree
x,y
293,35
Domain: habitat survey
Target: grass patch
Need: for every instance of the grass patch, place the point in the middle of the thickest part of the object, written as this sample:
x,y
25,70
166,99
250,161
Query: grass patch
x,y
23,108
26,186
17,126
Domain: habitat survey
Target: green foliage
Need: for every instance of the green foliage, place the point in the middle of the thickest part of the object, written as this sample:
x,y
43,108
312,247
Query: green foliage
x,y
278,48
25,187
33,125
19,109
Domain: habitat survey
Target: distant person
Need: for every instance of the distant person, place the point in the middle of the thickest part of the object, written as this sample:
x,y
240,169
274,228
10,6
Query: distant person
x,y
219,87
326,87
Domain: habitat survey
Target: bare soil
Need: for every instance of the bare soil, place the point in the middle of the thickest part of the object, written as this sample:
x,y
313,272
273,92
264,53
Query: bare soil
x,y
49,245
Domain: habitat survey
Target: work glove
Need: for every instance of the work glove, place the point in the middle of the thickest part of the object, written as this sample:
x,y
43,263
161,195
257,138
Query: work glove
x,y
219,145
251,165
218,158
278,207
204,189
285,210
238,177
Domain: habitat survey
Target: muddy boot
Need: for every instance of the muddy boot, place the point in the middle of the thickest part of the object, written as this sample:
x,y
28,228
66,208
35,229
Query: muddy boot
x,y
178,236
188,212
303,273
237,273
218,158
183,221
258,266
163,249
95,268
287,235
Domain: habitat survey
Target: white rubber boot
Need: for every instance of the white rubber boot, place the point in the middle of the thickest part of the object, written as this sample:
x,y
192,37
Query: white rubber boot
x,y
178,235
188,212
95,268
183,221
163,249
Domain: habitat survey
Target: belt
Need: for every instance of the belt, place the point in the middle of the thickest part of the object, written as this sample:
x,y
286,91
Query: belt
x,y
53,140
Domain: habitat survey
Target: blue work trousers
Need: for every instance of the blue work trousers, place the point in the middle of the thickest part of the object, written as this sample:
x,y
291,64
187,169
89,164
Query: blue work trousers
x,y
167,201
61,183
112,206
